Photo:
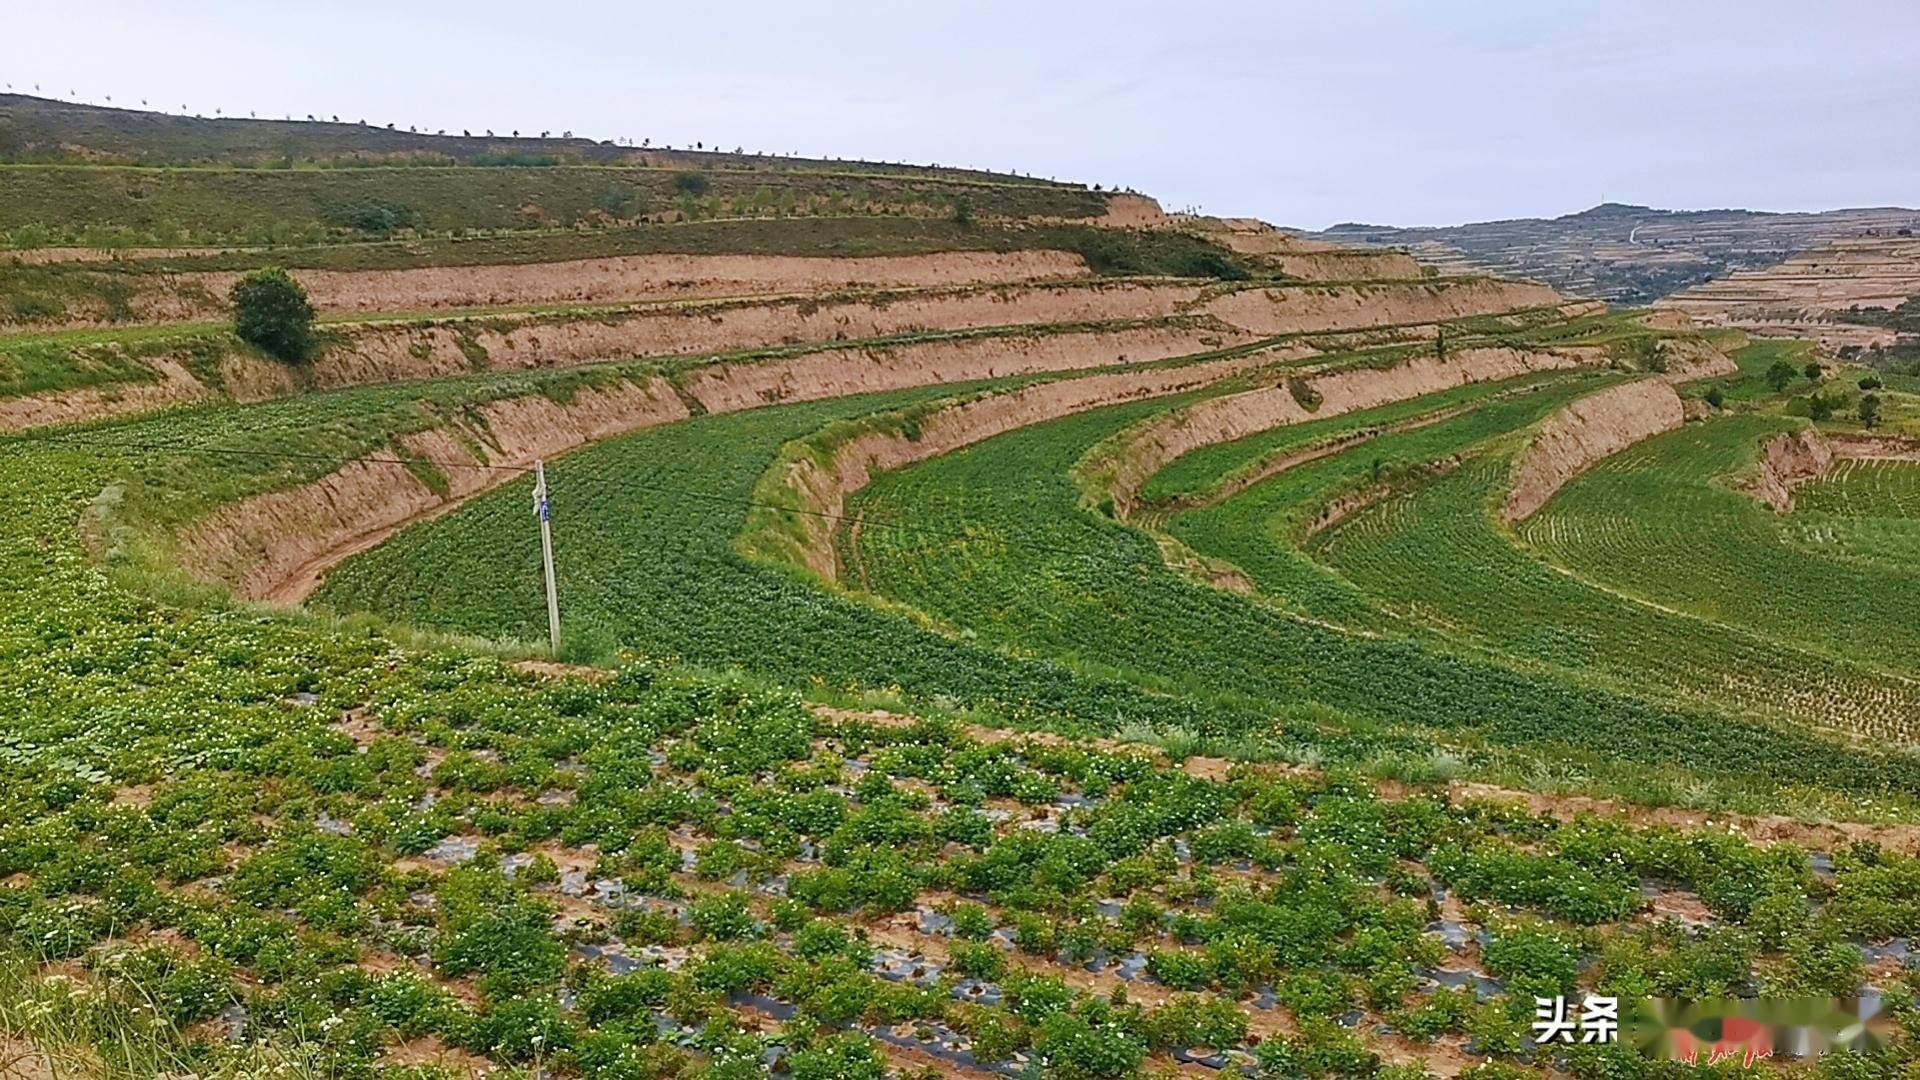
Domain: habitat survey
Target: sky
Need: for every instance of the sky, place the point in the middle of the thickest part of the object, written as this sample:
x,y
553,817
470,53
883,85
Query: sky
x,y
1409,113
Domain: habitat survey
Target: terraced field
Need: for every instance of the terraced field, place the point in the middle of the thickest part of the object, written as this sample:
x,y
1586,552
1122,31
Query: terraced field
x,y
1731,563
1069,642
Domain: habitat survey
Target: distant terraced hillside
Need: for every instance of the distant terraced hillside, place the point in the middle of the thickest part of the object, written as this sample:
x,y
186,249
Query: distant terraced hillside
x,y
1840,293
1630,254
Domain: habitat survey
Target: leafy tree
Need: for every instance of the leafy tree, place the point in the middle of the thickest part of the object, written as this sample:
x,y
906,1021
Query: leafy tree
x,y
1814,371
1715,398
1820,407
1870,382
271,312
1870,409
1780,374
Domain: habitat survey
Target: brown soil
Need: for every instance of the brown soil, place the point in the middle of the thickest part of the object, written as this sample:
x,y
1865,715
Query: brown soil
x,y
823,489
393,350
201,295
662,277
174,386
1788,461
1306,308
727,387
429,1050
380,353
1348,266
1689,359
20,1059
1132,211
46,256
1765,829
1799,296
388,351
1147,449
1587,431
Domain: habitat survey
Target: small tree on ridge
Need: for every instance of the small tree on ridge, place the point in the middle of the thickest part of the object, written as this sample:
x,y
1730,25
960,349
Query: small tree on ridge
x,y
272,313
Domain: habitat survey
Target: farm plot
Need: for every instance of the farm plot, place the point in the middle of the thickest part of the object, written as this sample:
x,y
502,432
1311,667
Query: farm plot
x,y
1205,474
646,561
1665,523
1499,596
296,844
1862,510
1034,573
1261,530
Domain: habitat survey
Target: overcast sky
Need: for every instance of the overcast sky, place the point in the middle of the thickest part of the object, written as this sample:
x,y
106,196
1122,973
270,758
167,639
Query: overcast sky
x,y
1401,112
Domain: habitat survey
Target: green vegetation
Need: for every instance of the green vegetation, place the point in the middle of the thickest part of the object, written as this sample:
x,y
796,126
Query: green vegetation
x,y
38,130
1263,530
1699,545
271,313
249,823
1165,632
131,207
951,807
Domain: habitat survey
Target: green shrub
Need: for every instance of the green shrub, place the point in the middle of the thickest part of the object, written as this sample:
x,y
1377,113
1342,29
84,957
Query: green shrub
x,y
271,313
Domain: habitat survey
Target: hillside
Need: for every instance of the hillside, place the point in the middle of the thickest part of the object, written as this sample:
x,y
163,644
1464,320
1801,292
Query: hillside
x,y
35,130
1005,631
1841,293
1631,254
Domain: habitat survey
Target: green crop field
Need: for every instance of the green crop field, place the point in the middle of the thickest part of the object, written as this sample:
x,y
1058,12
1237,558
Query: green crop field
x,y
1696,544
858,760
336,844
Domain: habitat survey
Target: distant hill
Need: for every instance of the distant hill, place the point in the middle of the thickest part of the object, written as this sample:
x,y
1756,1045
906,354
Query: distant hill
x,y
1630,254
94,177
37,130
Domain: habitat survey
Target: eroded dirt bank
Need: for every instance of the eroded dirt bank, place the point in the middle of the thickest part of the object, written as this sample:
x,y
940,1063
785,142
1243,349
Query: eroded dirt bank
x,y
728,386
365,353
274,545
1306,308
1606,422
389,350
277,545
1586,432
378,353
172,385
1145,450
1789,460
820,484
188,296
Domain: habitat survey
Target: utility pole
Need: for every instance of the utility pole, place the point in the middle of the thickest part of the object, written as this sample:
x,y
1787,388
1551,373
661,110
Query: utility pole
x,y
543,510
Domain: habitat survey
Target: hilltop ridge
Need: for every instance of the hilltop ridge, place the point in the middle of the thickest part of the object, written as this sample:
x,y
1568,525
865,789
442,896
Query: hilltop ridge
x,y
38,130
